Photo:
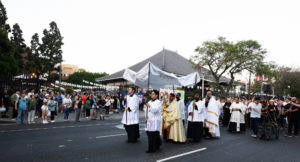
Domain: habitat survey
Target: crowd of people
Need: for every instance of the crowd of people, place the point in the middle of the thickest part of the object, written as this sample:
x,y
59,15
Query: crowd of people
x,y
167,116
47,104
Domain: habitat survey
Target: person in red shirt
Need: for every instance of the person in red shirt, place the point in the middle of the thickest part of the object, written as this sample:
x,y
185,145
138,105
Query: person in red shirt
x,y
84,97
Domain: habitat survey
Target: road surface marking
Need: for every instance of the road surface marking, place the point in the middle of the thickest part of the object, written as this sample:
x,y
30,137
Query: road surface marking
x,y
57,127
111,136
180,155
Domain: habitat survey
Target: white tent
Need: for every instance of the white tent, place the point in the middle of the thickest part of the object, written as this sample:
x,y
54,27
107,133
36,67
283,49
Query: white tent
x,y
151,76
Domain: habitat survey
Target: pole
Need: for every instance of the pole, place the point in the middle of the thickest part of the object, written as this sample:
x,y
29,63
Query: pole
x,y
202,85
148,90
195,100
261,85
249,88
60,74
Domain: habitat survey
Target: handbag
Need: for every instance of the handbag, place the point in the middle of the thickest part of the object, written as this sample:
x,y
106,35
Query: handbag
x,y
48,113
2,109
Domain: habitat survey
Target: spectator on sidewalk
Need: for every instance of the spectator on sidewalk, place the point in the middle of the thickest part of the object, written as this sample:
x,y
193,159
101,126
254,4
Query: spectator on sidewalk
x,y
31,109
67,102
107,104
52,104
13,100
78,105
101,103
4,98
87,108
45,109
21,106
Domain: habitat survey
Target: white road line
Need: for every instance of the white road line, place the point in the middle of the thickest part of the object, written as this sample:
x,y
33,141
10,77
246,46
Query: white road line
x,y
57,127
180,155
111,136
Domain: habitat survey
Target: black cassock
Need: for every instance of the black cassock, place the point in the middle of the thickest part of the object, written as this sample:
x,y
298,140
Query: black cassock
x,y
226,114
133,132
195,130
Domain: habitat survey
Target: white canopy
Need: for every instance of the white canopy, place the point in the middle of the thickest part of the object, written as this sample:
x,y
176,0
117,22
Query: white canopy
x,y
156,78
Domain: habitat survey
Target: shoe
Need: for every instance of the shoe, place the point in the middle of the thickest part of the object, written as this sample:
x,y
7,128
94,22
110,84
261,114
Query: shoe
x,y
149,151
43,122
285,135
52,121
296,136
290,136
253,135
33,122
46,122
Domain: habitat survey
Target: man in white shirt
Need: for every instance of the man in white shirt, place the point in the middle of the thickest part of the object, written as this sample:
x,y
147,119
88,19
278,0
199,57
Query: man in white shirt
x,y
196,111
131,116
237,120
67,102
181,106
153,122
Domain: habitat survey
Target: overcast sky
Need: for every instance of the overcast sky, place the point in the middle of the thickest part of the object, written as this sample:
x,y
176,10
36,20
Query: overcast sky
x,y
107,36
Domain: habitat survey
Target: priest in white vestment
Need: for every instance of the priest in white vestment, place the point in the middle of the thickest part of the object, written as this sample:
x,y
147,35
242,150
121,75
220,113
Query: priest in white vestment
x,y
237,119
131,116
153,122
211,122
196,111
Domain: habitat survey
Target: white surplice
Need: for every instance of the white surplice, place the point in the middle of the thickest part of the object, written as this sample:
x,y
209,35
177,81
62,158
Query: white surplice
x,y
154,116
199,114
133,115
237,116
182,108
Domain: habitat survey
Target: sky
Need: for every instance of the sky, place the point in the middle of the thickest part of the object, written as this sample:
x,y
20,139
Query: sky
x,y
110,35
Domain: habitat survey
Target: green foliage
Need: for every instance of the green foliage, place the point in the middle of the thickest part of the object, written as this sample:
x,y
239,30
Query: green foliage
x,y
287,82
3,18
8,64
69,90
53,77
51,47
19,44
224,57
57,90
77,77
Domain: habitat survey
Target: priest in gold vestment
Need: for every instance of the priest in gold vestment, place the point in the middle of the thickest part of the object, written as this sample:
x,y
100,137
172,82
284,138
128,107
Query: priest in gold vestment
x,y
172,126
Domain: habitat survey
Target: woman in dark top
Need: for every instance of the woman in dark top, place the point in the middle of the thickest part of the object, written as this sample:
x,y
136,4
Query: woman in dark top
x,y
272,110
226,113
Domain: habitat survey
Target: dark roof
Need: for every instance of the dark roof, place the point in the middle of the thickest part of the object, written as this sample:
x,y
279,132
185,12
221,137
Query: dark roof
x,y
168,61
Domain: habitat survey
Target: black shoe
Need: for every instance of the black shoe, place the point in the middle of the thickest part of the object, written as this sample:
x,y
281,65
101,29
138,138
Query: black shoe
x,y
149,151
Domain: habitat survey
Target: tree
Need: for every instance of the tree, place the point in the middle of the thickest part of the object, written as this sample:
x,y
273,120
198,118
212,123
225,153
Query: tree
x,y
51,47
287,82
20,46
3,18
223,57
78,77
35,62
8,64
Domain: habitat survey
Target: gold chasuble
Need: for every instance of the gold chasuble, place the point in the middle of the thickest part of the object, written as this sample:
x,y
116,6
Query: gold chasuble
x,y
172,121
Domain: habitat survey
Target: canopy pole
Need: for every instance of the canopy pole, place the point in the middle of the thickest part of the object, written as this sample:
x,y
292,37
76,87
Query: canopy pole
x,y
148,90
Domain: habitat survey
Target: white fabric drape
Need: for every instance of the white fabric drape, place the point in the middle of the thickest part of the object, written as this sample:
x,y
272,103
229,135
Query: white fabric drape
x,y
158,78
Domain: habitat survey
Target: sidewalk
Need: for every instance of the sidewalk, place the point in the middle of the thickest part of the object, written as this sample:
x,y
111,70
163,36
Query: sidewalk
x,y
60,117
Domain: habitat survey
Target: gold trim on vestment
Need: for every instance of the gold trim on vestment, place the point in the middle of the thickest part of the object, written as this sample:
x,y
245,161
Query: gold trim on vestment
x,y
211,122
213,113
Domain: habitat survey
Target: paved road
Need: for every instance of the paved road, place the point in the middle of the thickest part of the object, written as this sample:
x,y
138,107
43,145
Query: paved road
x,y
106,141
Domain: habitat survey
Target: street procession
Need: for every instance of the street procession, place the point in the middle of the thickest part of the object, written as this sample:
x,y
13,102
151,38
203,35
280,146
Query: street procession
x,y
159,81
